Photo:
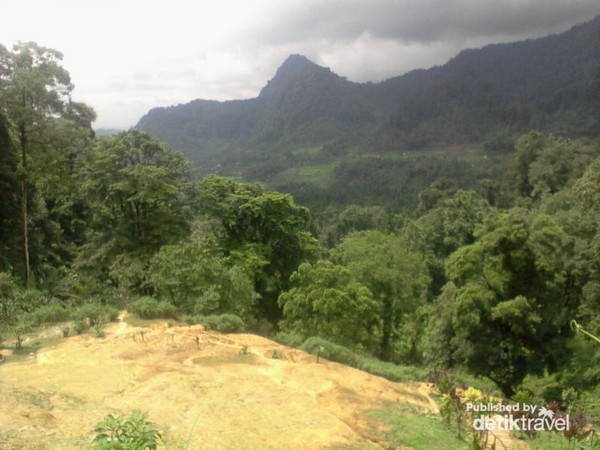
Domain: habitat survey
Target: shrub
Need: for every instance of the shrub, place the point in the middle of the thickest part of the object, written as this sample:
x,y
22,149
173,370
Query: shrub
x,y
331,351
95,313
51,313
341,354
132,433
224,323
190,319
289,339
390,371
79,326
150,308
20,329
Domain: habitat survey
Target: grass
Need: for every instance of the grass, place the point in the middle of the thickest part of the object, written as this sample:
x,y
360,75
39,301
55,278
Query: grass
x,y
344,355
136,321
417,431
320,175
308,153
547,441
552,441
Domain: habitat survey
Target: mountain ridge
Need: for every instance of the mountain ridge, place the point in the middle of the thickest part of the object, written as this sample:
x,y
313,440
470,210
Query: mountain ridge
x,y
481,95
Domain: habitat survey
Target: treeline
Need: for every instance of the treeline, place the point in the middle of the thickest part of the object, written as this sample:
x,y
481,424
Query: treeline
x,y
488,282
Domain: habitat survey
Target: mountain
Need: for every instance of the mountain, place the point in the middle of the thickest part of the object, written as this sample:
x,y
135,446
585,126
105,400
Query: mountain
x,y
304,104
308,118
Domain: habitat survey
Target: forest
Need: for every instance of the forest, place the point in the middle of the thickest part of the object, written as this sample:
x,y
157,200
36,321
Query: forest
x,y
489,271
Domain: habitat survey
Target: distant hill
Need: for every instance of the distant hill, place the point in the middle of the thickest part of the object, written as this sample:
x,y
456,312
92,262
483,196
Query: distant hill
x,y
308,116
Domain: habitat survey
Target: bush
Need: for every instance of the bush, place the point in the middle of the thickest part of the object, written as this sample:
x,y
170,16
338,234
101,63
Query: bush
x,y
224,323
331,351
390,371
95,313
52,313
15,301
289,339
343,355
190,319
133,433
150,308
79,326
20,329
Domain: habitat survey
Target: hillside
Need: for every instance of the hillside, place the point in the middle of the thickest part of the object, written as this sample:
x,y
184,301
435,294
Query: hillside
x,y
309,124
224,392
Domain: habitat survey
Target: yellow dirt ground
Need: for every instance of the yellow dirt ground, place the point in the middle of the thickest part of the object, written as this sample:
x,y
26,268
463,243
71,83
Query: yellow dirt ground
x,y
204,391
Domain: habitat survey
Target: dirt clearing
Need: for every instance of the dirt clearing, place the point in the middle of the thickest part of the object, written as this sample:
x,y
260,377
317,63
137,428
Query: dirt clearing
x,y
204,390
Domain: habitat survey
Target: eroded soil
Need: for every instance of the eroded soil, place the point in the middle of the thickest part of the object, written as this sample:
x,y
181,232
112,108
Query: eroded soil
x,y
204,390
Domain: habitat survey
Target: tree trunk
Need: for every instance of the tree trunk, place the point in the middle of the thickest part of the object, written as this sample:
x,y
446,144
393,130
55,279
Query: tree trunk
x,y
25,219
24,206
386,332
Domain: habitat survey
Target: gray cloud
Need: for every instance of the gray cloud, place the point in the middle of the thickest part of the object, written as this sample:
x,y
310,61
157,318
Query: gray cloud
x,y
425,20
128,57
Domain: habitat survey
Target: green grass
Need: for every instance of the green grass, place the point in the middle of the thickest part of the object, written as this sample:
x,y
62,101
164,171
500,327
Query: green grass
x,y
344,355
417,431
548,441
320,175
308,153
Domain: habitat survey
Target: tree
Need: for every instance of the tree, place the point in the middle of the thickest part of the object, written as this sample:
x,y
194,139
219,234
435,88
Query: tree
x,y
546,164
196,277
267,228
9,200
134,186
444,229
514,298
35,96
396,276
355,218
326,301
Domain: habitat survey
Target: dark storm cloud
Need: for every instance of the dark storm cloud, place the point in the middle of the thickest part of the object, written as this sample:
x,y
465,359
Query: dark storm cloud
x,y
426,20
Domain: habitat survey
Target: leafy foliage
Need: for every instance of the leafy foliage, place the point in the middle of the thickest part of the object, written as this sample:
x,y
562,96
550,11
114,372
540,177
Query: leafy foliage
x,y
150,308
325,301
197,278
224,323
134,186
265,229
132,433
335,352
395,275
513,299
95,313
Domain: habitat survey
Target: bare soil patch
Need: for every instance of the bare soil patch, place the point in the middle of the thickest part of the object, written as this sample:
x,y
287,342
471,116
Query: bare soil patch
x,y
204,390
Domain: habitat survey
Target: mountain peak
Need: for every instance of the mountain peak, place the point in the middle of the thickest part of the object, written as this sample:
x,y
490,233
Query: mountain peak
x,y
296,62
291,69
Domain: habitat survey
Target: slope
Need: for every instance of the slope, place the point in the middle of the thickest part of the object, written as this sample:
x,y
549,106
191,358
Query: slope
x,y
216,392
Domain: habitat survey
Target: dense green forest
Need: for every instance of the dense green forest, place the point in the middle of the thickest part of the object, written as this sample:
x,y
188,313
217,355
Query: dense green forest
x,y
483,272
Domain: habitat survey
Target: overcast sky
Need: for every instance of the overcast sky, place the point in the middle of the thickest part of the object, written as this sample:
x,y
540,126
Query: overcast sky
x,y
128,56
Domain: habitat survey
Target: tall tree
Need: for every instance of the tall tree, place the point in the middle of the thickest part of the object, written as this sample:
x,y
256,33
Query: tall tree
x,y
134,185
514,298
9,199
326,301
396,276
266,227
35,93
